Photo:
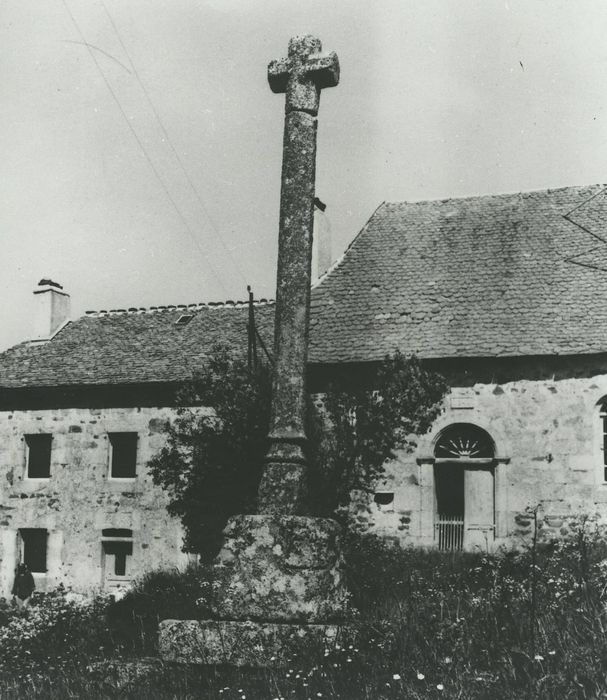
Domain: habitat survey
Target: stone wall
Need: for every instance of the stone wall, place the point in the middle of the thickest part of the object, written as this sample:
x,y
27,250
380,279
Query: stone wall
x,y
79,499
548,436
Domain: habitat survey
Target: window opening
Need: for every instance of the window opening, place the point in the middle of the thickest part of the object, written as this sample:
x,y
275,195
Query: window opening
x,y
464,441
123,455
184,319
384,498
33,549
117,550
38,460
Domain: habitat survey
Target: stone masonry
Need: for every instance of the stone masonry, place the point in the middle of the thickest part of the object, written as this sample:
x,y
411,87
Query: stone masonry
x,y
547,428
79,500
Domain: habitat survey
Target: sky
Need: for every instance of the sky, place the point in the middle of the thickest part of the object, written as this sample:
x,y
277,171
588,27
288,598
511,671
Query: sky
x,y
140,144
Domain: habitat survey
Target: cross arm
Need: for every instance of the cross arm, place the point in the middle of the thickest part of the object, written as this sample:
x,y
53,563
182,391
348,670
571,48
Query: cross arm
x,y
278,74
324,69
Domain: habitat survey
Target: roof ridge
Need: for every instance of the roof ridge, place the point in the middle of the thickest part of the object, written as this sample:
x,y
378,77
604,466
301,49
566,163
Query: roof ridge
x,y
490,195
185,308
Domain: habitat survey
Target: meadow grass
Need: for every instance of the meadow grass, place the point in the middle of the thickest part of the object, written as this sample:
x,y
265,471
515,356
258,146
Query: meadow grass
x,y
527,624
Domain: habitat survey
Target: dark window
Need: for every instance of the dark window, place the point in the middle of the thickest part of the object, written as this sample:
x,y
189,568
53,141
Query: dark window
x,y
34,548
116,532
184,320
123,455
116,551
384,498
38,455
116,554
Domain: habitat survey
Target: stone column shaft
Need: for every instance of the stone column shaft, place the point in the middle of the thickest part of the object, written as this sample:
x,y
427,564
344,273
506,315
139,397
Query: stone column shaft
x,y
301,76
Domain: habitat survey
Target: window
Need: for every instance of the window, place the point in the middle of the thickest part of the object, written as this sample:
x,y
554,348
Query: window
x,y
123,455
464,441
38,455
33,549
184,319
384,500
117,550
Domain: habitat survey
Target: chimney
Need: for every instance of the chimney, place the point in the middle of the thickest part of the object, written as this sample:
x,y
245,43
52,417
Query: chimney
x,y
321,244
52,309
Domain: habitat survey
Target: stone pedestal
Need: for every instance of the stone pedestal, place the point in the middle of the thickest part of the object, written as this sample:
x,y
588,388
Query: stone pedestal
x,y
277,584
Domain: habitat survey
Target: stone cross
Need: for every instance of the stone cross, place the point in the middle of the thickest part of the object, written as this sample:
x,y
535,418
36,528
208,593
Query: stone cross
x,y
301,76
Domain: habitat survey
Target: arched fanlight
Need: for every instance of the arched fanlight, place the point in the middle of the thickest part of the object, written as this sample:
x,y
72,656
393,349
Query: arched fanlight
x,y
464,441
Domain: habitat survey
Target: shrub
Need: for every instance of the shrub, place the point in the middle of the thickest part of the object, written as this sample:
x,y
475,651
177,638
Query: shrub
x,y
53,632
159,595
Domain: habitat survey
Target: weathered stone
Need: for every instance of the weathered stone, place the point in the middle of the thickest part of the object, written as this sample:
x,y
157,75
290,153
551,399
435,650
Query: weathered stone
x,y
301,76
241,643
280,569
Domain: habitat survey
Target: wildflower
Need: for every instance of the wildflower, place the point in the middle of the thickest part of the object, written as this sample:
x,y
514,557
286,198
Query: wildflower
x,y
440,686
448,659
552,653
395,677
420,676
538,657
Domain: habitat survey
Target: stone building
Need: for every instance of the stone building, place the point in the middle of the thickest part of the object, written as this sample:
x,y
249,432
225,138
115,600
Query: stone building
x,y
83,407
504,295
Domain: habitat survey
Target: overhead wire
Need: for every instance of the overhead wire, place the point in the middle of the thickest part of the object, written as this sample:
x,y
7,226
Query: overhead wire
x,y
145,152
169,141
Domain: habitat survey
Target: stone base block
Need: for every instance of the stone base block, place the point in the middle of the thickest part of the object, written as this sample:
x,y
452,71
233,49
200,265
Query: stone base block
x,y
212,642
280,568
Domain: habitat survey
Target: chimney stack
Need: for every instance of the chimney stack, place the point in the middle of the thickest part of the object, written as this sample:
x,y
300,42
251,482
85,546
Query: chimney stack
x,y
52,309
321,244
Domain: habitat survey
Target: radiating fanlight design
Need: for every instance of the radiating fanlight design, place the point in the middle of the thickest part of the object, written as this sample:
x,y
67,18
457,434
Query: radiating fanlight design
x,y
464,441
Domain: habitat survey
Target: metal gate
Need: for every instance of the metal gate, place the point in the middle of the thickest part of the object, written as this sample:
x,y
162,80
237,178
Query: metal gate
x,y
449,532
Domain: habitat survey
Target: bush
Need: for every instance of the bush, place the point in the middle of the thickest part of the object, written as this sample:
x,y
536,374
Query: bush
x,y
159,595
427,624
52,633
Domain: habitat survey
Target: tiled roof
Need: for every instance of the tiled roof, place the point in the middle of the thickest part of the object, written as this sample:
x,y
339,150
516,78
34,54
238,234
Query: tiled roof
x,y
502,275
133,346
505,275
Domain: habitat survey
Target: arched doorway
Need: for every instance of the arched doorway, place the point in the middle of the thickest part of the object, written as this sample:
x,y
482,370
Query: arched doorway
x,y
464,490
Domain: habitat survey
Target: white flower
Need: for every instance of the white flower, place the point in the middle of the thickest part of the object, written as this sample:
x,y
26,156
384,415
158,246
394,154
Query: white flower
x,y
440,686
538,657
395,677
552,653
420,676
448,659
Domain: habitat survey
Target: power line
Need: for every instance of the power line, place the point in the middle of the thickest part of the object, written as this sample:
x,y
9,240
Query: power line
x,y
168,139
144,151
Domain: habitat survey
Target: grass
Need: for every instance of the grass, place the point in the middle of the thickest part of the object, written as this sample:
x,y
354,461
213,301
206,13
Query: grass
x,y
529,624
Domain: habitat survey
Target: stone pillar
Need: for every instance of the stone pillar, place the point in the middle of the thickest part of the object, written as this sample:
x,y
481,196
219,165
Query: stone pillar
x,y
278,578
427,503
479,518
8,561
54,557
301,76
